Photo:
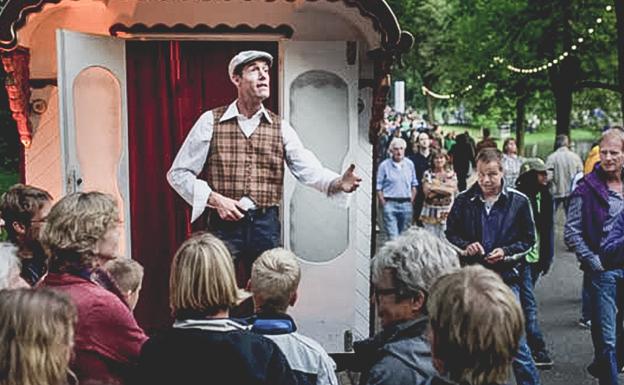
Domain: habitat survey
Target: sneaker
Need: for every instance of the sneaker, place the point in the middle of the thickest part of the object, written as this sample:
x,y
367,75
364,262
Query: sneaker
x,y
543,361
586,324
593,369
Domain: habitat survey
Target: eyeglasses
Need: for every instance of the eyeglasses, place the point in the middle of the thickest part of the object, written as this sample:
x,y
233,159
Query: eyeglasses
x,y
377,292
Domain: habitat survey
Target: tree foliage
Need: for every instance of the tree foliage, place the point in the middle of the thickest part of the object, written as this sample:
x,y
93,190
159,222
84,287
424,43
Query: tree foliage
x,y
456,40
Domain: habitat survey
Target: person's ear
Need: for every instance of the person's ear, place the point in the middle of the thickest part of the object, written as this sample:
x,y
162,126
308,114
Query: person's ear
x,y
293,298
19,228
418,303
236,79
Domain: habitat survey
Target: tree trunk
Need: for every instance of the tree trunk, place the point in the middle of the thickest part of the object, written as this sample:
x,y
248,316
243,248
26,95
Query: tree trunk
x,y
520,114
565,74
563,107
430,117
619,17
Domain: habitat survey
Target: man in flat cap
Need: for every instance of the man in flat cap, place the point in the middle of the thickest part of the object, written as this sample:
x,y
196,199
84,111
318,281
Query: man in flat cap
x,y
241,148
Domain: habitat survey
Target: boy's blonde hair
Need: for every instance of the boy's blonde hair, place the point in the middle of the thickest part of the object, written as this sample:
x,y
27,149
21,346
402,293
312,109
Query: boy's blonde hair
x,y
476,323
275,276
74,227
202,280
126,273
37,334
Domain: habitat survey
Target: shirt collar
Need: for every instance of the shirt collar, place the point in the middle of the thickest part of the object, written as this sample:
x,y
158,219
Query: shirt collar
x,y
232,112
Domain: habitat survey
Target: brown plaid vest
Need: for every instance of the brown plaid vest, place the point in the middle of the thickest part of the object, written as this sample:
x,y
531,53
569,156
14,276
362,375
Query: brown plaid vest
x,y
238,166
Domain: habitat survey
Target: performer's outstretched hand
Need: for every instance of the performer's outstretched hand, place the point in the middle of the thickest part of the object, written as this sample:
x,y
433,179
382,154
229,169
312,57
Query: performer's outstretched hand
x,y
350,181
228,209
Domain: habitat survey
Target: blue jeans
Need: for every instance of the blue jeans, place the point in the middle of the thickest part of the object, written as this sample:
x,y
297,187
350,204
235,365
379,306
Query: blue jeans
x,y
523,365
397,217
247,238
605,294
535,339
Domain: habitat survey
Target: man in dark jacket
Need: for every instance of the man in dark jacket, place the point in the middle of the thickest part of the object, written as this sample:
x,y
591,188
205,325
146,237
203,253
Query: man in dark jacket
x,y
533,182
402,272
594,207
492,224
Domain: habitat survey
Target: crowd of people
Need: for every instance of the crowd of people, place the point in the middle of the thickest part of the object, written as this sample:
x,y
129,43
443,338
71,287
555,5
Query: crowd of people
x,y
74,323
67,298
505,221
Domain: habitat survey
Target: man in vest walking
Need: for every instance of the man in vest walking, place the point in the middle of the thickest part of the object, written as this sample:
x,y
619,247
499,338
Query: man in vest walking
x,y
242,148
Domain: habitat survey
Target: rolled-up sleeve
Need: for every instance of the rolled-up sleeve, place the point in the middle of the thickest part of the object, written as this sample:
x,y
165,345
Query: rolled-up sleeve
x,y
573,236
189,162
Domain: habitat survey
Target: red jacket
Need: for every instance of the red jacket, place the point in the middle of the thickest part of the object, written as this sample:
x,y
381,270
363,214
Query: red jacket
x,y
107,338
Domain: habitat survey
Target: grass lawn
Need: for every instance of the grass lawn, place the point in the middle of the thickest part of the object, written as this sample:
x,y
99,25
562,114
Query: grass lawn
x,y
540,143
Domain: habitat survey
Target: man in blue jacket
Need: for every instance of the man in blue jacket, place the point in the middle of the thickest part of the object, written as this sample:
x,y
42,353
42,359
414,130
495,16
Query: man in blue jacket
x,y
492,224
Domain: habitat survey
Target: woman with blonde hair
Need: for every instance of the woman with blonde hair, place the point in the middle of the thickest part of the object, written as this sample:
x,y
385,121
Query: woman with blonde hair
x,y
81,233
205,345
37,334
439,188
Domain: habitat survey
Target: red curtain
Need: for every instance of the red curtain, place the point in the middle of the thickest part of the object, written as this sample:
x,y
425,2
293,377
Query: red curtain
x,y
170,84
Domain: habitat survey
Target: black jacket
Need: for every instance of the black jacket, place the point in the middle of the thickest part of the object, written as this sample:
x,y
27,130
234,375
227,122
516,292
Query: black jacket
x,y
219,351
514,233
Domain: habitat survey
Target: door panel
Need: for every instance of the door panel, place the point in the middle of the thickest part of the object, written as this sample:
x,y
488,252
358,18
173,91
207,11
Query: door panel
x,y
320,102
93,118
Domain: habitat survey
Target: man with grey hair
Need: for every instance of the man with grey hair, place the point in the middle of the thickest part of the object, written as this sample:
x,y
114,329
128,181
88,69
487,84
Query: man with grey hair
x,y
396,189
10,268
402,273
565,164
274,281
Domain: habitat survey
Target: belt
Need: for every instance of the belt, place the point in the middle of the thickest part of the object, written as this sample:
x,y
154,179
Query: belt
x,y
261,211
250,214
402,200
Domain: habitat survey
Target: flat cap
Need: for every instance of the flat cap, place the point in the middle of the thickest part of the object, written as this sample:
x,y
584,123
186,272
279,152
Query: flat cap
x,y
245,57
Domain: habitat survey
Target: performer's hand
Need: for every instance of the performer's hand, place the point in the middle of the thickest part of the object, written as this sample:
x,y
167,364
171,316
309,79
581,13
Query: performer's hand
x,y
474,249
350,181
496,255
228,209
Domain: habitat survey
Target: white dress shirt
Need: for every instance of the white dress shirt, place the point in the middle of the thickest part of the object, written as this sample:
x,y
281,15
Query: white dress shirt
x,y
191,158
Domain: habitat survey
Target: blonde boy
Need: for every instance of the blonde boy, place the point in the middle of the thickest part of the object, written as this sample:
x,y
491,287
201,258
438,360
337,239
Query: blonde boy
x,y
275,276
127,275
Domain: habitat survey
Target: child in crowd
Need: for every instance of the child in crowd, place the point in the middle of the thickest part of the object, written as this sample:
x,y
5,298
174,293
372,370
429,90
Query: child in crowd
x,y
476,324
274,281
37,334
127,275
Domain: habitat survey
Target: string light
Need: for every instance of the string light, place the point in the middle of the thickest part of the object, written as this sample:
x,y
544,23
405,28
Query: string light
x,y
497,60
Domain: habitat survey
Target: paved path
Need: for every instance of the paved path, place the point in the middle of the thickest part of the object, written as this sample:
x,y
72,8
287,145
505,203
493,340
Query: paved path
x,y
558,295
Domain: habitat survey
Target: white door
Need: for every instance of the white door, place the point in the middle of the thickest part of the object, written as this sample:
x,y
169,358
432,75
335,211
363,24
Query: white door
x,y
93,118
320,102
